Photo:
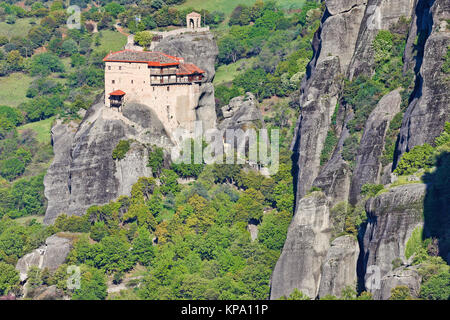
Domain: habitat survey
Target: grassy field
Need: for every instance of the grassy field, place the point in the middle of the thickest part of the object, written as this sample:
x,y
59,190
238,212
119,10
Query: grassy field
x,y
14,88
42,129
21,27
226,73
227,6
111,40
25,220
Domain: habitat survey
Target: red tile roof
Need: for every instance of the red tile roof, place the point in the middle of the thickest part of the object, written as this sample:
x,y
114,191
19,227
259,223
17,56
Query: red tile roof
x,y
117,93
189,68
154,59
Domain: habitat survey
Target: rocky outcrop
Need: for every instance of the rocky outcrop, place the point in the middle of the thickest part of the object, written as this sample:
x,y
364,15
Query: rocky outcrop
x,y
403,276
241,113
379,15
92,175
305,249
430,107
50,255
84,173
45,293
339,268
368,161
343,49
200,49
392,217
318,104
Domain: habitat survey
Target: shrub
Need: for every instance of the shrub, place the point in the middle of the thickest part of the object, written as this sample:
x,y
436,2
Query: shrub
x,y
350,148
330,143
419,157
156,160
371,190
382,45
121,150
437,287
9,277
414,243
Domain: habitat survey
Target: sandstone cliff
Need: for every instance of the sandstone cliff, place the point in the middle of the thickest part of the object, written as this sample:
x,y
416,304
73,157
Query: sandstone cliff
x,y
343,49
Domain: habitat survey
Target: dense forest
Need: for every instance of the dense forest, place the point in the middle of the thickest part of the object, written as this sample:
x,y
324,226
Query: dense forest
x,y
185,232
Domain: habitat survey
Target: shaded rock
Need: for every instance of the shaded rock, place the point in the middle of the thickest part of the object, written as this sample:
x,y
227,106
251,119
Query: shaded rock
x,y
305,249
368,160
379,15
45,293
392,217
56,180
402,276
51,255
335,176
339,268
427,113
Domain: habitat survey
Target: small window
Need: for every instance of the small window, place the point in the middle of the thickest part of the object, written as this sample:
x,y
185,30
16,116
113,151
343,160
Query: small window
x,y
109,67
131,81
120,68
153,88
113,81
168,88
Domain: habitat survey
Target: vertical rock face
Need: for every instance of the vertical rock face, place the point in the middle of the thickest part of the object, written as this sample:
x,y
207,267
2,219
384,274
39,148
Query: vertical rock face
x,y
379,14
91,176
305,249
318,103
338,269
392,217
368,166
430,108
343,48
56,180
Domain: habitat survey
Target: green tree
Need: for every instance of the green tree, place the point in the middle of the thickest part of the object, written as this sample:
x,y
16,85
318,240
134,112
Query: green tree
x,y
437,287
250,205
45,63
121,149
143,38
400,293
417,158
142,249
156,160
9,277
92,286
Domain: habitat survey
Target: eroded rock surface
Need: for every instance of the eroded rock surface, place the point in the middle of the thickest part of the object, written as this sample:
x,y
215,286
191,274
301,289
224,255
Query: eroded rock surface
x,y
368,161
50,255
305,249
339,268
392,217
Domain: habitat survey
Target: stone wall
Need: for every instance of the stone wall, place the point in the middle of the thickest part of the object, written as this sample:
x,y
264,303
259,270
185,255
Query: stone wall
x,y
173,104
